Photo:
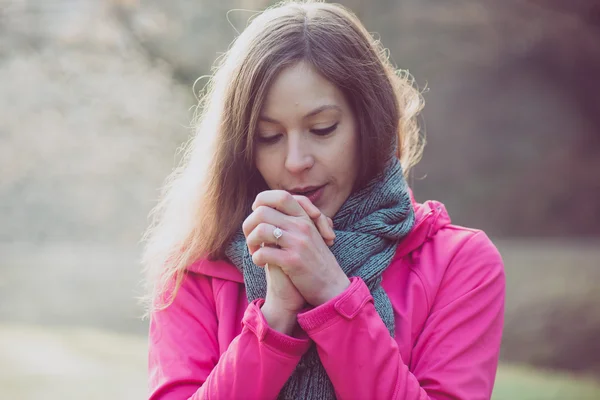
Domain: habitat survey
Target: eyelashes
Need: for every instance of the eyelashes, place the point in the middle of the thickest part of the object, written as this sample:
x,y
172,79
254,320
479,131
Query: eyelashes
x,y
325,131
319,132
268,139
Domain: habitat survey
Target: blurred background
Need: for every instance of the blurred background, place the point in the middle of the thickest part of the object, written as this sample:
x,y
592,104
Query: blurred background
x,y
96,96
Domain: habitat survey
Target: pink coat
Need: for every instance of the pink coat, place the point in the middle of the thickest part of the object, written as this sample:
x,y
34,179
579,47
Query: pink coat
x,y
446,284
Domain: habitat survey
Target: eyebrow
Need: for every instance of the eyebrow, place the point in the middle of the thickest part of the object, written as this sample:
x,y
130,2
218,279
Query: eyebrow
x,y
314,112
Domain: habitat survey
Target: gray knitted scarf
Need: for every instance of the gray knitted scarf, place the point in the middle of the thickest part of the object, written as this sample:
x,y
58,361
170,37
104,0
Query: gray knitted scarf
x,y
368,228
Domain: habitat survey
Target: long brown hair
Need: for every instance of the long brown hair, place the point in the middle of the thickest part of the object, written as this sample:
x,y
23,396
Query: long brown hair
x,y
207,198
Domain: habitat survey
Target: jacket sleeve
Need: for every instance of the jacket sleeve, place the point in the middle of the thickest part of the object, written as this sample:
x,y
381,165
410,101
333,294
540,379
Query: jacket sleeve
x,y
184,359
456,354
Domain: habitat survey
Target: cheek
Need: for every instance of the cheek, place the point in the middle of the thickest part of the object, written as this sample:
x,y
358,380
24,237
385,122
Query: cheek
x,y
348,158
344,163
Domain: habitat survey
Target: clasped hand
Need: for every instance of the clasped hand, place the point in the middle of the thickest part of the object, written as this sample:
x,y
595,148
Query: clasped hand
x,y
300,267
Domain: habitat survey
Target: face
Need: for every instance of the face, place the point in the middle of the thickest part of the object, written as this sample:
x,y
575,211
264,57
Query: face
x,y
307,142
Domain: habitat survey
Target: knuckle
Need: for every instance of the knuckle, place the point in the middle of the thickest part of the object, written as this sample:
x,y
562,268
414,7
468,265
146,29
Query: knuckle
x,y
292,259
284,196
257,257
261,212
323,220
246,226
301,199
303,243
309,207
259,196
263,230
304,226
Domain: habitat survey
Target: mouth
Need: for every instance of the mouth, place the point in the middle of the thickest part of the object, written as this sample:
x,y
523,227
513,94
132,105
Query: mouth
x,y
313,193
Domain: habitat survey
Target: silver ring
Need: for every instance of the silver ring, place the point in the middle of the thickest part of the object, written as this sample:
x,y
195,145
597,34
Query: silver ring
x,y
277,232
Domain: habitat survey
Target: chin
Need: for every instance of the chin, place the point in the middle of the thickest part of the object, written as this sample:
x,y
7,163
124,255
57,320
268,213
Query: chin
x,y
329,211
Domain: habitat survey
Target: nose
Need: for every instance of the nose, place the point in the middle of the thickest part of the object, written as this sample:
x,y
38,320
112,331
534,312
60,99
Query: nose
x,y
298,157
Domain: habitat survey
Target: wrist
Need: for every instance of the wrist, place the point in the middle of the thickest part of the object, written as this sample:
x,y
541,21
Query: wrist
x,y
279,319
334,290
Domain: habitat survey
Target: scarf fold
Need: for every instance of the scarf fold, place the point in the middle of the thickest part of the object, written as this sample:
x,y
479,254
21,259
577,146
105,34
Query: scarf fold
x,y
368,228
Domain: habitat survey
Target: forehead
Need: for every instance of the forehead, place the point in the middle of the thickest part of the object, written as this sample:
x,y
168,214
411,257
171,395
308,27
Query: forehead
x,y
300,88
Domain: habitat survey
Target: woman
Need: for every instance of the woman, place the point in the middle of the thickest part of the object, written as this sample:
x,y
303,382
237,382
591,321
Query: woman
x,y
301,267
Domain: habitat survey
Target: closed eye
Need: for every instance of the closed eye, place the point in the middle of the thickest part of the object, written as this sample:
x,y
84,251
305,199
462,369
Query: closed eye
x,y
268,139
325,131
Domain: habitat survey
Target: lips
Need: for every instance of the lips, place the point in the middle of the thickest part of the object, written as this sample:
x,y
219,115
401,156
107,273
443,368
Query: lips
x,y
306,191
313,193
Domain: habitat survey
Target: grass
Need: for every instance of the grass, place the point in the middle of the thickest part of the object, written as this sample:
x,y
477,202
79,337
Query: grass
x,y
89,364
40,360
70,363
526,383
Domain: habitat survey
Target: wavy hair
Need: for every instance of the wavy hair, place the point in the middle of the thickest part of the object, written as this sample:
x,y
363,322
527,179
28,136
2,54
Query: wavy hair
x,y
205,200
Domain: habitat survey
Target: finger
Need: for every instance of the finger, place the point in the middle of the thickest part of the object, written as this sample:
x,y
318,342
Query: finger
x,y
320,220
264,214
281,201
263,233
268,255
310,209
330,221
324,229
